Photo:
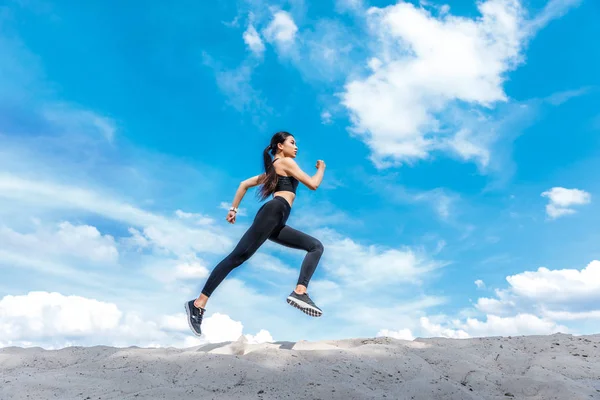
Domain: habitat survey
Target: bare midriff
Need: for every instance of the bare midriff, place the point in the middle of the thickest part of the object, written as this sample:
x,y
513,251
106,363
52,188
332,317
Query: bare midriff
x,y
289,196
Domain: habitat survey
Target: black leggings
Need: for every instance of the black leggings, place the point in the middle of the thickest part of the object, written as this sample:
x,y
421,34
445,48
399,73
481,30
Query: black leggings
x,y
269,223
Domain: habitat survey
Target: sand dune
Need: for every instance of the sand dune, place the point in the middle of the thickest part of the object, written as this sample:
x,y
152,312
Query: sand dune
x,y
524,367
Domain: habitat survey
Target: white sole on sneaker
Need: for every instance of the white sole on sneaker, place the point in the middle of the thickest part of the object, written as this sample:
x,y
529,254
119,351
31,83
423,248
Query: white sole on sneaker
x,y
189,312
304,307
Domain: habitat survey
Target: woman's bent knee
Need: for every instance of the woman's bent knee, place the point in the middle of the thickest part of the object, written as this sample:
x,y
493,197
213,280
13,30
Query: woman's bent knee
x,y
317,247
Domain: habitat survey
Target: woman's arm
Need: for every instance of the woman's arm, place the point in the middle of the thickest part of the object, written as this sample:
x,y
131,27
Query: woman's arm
x,y
239,195
311,182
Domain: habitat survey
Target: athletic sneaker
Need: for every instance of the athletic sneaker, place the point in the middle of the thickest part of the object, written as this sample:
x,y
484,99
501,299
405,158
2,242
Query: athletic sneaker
x,y
304,304
194,317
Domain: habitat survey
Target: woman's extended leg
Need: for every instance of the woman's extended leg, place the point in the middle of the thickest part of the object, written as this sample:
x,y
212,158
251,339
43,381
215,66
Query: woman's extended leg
x,y
290,237
268,219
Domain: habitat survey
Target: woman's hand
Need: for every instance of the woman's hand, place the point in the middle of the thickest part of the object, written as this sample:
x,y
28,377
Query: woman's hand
x,y
320,164
231,217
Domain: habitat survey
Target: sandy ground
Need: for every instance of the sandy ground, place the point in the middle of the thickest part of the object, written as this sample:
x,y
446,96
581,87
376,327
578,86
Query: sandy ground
x,y
522,367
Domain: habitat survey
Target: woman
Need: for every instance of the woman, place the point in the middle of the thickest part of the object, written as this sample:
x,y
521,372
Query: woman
x,y
280,179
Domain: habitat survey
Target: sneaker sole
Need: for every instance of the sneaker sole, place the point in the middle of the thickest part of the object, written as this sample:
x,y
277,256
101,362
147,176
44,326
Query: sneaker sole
x,y
189,312
304,307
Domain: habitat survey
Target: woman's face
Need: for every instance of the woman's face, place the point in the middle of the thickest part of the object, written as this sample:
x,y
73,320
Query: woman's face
x,y
288,147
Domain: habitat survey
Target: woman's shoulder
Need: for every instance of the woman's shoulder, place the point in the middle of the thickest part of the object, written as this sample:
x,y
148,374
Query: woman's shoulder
x,y
287,161
283,165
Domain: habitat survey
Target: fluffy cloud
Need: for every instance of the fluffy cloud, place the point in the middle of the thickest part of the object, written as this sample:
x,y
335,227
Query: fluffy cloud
x,y
349,5
402,334
520,324
281,30
170,271
535,303
425,65
564,287
503,305
479,283
431,329
263,336
567,294
165,233
253,41
553,9
198,219
65,240
354,263
562,200
53,320
268,263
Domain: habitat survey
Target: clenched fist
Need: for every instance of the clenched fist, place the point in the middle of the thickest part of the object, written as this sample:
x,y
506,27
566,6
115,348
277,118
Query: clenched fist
x,y
231,217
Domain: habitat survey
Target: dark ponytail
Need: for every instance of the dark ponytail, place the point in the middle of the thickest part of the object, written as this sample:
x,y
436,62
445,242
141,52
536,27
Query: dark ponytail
x,y
269,180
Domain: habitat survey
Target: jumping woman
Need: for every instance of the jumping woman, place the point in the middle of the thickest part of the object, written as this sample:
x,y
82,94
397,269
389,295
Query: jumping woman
x,y
280,179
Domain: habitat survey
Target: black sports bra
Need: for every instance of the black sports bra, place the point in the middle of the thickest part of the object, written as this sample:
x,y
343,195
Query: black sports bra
x,y
286,183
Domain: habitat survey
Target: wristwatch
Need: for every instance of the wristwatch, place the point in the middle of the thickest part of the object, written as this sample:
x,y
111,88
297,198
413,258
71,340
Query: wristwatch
x,y
234,209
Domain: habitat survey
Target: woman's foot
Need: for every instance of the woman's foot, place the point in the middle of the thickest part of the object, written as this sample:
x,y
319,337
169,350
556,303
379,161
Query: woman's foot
x,y
304,304
194,317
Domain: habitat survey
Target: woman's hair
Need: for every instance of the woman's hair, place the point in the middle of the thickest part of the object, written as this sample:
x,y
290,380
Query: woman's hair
x,y
269,181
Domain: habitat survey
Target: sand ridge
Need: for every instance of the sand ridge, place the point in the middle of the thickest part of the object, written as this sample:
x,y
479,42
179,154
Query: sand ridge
x,y
521,367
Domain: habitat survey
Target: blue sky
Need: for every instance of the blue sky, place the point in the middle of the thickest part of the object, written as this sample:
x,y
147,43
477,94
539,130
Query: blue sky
x,y
460,142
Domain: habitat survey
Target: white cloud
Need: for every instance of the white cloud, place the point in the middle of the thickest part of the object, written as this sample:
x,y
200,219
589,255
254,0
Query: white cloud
x,y
439,199
190,271
253,41
263,336
564,286
358,264
431,329
137,239
349,5
196,218
268,263
329,291
567,294
479,283
533,304
176,271
553,9
398,313
562,200
165,234
281,30
470,146
572,316
521,324
53,320
326,118
504,305
66,240
40,314
426,65
402,334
